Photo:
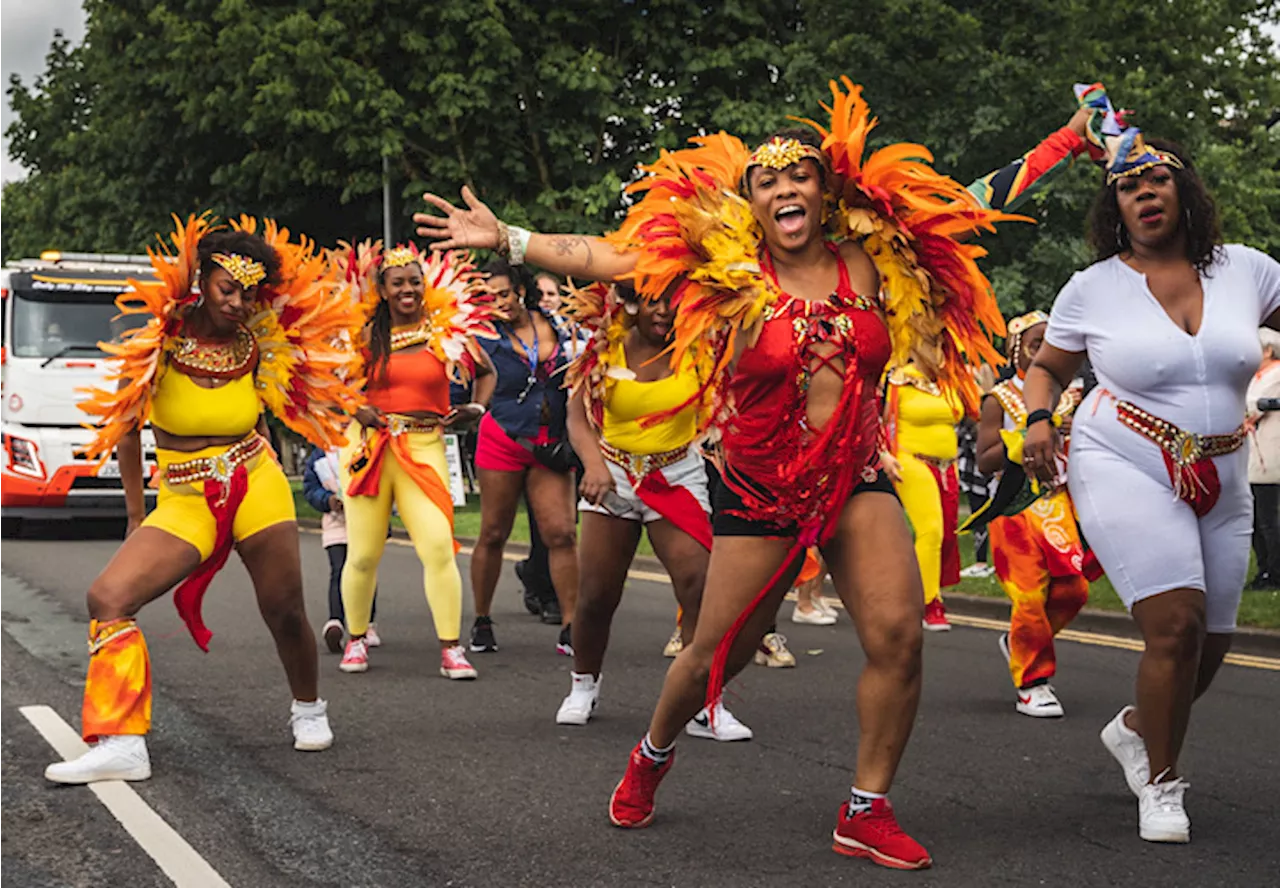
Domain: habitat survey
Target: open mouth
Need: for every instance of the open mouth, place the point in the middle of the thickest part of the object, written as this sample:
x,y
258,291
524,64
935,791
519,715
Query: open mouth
x,y
1151,215
790,219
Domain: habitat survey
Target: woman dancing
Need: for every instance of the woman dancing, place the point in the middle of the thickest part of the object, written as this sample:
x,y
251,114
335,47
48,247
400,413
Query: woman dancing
x,y
424,317
523,449
799,341
1168,318
265,330
920,427
637,476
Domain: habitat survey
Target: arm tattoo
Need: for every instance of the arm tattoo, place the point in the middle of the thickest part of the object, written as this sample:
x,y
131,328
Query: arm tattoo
x,y
565,245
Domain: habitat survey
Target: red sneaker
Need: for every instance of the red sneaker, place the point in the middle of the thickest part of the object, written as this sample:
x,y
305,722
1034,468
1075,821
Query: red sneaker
x,y
875,834
935,616
631,805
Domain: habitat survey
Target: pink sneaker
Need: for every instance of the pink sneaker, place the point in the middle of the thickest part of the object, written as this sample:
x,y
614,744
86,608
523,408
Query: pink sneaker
x,y
371,637
453,663
356,656
935,616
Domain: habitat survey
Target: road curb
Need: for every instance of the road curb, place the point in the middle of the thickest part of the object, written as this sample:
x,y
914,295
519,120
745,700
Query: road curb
x,y
1248,640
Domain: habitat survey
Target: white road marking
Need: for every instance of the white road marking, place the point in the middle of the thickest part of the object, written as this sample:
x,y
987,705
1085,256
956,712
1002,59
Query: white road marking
x,y
178,860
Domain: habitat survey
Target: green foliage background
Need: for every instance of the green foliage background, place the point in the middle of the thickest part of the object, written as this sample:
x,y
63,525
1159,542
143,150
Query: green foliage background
x,y
287,108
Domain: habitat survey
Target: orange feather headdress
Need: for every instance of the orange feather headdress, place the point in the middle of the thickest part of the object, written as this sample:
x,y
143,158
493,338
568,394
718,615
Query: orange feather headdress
x,y
302,327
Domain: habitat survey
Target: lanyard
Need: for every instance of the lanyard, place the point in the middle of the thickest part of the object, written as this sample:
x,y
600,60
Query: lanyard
x,y
531,356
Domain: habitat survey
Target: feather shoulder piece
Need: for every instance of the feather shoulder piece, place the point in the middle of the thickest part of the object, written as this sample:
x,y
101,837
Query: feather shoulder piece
x,y
135,359
695,238
940,307
303,328
596,311
459,308
356,266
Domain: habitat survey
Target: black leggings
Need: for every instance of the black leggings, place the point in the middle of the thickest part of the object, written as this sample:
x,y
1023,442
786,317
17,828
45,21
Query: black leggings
x,y
337,558
1266,528
980,537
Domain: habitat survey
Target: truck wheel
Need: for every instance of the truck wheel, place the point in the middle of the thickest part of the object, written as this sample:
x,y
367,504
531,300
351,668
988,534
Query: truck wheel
x,y
10,527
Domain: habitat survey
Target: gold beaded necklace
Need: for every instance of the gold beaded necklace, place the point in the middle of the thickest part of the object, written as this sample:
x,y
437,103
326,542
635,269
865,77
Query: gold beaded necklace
x,y
219,359
409,336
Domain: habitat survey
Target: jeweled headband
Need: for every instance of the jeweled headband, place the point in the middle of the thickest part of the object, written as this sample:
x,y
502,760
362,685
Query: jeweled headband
x,y
399,257
246,272
779,153
1124,151
1133,156
1020,325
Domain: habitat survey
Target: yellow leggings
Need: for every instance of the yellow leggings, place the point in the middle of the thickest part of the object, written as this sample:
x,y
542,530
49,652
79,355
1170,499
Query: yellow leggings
x,y
926,509
429,529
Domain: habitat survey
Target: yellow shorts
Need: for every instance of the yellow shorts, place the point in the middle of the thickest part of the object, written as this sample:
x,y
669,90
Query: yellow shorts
x,y
182,511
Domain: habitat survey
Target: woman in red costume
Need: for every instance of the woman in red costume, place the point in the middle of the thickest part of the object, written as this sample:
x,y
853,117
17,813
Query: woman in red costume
x,y
266,329
800,334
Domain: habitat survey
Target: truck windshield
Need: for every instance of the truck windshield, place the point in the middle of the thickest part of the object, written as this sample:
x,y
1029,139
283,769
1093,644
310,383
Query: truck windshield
x,y
44,327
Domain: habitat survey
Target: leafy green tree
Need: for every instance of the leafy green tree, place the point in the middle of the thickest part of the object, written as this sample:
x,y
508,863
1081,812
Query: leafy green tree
x,y
548,106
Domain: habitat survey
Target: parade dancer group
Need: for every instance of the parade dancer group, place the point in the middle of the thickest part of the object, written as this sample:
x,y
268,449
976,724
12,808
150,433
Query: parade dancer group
x,y
750,302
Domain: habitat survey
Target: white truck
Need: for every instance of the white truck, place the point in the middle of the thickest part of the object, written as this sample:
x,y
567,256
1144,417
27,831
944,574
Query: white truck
x,y
56,310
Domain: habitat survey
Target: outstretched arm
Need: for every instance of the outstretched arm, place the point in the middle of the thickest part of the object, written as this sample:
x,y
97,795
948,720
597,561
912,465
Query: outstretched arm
x,y
1012,185
476,227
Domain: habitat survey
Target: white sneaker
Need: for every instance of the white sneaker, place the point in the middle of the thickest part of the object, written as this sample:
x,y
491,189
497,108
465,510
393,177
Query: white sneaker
x,y
1003,642
371,637
821,603
114,757
674,645
727,727
977,571
1039,702
310,723
1128,749
581,702
1161,815
815,617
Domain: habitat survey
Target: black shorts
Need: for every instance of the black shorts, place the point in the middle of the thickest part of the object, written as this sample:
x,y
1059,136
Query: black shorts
x,y
725,501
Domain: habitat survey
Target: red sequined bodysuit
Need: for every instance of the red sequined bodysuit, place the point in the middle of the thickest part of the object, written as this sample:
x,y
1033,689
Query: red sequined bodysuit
x,y
787,473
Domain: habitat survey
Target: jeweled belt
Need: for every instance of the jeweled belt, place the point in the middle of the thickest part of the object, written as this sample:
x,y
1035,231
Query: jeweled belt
x,y
638,465
403,424
936,461
1184,448
215,468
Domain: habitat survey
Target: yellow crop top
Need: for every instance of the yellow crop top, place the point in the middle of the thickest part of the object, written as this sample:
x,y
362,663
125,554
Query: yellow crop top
x,y
629,402
180,407
926,421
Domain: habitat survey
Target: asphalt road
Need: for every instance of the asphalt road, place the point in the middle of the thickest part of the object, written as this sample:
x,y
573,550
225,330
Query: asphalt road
x,y
435,783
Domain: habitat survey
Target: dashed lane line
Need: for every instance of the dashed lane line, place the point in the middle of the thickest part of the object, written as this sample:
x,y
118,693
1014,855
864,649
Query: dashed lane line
x,y
1096,639
177,859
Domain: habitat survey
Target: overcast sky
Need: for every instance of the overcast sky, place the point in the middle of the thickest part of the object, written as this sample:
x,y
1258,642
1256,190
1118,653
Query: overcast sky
x,y
26,30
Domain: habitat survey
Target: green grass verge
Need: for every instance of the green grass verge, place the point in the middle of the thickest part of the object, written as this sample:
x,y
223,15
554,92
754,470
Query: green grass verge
x,y
1257,609
1260,610
466,520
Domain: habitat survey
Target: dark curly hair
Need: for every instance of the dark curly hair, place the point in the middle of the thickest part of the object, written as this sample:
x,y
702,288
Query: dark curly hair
x,y
1108,236
519,277
242,243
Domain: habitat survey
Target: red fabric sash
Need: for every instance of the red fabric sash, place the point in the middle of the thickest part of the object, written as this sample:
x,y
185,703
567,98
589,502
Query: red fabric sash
x,y
676,504
224,501
949,492
1196,484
